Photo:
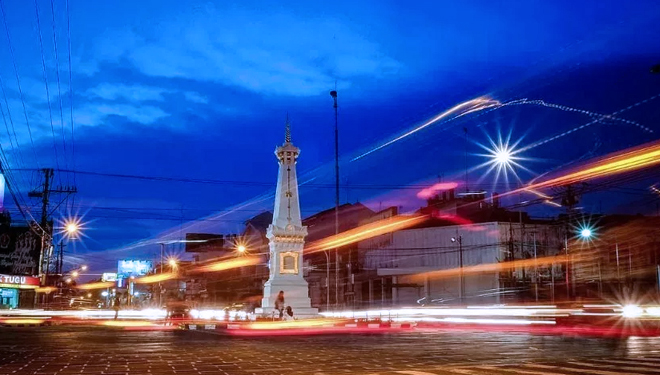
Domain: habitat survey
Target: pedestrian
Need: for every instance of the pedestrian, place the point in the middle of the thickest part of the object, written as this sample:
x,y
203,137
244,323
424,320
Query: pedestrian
x,y
279,303
116,306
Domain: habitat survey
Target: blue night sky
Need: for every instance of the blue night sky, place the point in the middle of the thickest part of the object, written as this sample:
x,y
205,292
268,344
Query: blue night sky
x,y
200,90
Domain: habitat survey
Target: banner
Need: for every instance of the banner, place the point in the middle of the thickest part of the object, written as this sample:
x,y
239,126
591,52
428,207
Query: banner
x,y
19,251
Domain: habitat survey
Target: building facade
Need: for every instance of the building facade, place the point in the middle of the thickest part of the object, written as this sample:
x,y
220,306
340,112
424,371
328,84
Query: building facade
x,y
404,268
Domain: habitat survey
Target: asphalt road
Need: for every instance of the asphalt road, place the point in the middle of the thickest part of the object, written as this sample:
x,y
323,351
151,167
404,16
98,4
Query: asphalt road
x,y
63,350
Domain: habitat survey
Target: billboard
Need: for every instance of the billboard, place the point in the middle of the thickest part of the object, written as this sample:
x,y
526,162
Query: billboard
x,y
128,268
203,242
109,276
19,250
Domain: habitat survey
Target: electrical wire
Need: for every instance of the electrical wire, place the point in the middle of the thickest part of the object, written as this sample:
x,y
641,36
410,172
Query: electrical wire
x,y
59,90
43,65
18,81
73,145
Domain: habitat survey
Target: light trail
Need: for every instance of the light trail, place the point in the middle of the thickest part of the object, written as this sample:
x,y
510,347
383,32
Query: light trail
x,y
495,267
365,232
485,103
599,118
461,109
96,285
228,264
45,289
150,279
624,161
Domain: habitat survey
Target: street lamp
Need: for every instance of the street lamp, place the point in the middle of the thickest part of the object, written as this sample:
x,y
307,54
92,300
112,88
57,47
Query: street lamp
x,y
585,233
241,249
71,228
83,268
172,262
333,94
461,289
74,274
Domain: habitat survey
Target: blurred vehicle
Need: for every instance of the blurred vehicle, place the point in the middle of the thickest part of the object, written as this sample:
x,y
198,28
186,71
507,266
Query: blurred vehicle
x,y
82,304
178,311
238,311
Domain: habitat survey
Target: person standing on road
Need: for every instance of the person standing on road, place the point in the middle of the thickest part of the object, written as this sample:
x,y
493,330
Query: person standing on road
x,y
279,303
116,306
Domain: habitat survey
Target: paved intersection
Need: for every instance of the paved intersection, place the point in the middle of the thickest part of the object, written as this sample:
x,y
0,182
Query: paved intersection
x,y
63,350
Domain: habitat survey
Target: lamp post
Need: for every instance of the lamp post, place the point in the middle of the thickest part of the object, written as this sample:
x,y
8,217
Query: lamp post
x,y
461,286
333,94
586,234
327,280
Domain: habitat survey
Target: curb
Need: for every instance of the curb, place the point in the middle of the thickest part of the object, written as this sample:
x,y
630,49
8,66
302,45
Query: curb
x,y
25,325
242,329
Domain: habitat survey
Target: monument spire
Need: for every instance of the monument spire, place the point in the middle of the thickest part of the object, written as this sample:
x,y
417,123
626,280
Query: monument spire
x,y
287,130
286,238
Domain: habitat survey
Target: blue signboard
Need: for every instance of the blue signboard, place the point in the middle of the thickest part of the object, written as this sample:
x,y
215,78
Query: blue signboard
x,y
128,268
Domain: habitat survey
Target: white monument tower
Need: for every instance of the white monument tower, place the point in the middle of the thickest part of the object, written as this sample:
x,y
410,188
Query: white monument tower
x,y
286,238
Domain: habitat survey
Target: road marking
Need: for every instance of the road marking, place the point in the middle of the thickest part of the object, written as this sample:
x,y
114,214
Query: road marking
x,y
636,368
586,371
517,371
633,362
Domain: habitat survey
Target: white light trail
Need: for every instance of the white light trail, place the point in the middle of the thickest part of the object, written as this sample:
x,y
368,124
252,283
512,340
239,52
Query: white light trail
x,y
470,106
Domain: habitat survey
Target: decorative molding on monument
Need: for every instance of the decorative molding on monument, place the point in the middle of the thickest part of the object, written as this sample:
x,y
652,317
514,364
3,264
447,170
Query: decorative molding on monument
x,y
291,231
289,240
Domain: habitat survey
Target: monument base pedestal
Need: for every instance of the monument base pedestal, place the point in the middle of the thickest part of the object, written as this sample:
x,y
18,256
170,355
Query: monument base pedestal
x,y
298,313
295,295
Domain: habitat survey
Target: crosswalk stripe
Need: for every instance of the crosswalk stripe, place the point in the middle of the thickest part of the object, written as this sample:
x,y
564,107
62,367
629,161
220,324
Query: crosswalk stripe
x,y
635,366
516,371
581,370
634,362
461,371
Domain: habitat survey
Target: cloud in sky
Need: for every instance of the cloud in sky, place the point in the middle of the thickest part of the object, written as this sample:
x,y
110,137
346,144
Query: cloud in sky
x,y
96,114
299,57
132,93
195,97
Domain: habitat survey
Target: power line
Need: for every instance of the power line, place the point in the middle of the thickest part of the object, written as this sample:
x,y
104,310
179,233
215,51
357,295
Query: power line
x,y
255,183
18,81
15,150
59,90
73,145
43,65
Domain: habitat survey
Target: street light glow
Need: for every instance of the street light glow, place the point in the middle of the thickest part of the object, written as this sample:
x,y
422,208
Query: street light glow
x,y
71,228
83,268
585,233
74,274
503,158
172,262
241,249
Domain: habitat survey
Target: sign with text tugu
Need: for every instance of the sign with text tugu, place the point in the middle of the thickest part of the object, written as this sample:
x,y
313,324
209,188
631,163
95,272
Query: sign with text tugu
x,y
19,251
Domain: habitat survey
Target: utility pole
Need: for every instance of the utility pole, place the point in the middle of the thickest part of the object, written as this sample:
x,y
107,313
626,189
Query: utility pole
x,y
569,201
60,260
465,130
333,94
461,282
46,224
